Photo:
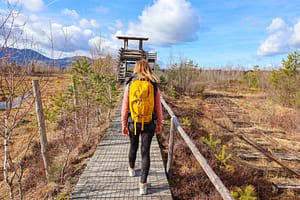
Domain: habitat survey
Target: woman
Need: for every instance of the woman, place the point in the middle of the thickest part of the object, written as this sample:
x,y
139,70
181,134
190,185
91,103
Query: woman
x,y
142,71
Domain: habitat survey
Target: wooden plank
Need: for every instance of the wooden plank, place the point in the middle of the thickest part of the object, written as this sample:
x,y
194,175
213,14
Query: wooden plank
x,y
267,154
258,155
106,175
131,38
286,185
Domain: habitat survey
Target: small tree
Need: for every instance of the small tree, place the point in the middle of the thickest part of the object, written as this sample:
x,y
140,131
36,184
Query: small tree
x,y
223,158
16,92
97,86
210,141
286,80
253,77
184,76
83,73
106,92
247,194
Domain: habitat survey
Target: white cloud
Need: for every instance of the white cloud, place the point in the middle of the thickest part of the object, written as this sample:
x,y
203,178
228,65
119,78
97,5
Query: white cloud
x,y
32,5
282,38
84,23
274,44
118,25
55,39
167,23
295,38
103,46
277,25
41,33
71,13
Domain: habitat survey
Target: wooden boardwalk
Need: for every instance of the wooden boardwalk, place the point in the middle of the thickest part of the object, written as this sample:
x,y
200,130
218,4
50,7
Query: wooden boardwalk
x,y
106,175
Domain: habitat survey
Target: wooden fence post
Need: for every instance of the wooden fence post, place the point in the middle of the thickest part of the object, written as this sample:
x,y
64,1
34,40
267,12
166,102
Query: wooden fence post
x,y
75,103
215,180
171,147
41,123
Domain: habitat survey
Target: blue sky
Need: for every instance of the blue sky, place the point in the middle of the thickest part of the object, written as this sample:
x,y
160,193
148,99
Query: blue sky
x,y
212,33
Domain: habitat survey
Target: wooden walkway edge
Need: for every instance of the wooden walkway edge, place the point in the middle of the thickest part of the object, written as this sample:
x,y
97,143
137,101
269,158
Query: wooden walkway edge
x,y
106,175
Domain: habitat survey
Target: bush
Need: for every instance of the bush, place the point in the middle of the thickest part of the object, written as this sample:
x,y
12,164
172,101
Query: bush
x,y
247,194
286,81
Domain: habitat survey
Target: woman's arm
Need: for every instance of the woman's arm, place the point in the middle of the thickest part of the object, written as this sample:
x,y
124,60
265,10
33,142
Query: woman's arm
x,y
158,111
125,107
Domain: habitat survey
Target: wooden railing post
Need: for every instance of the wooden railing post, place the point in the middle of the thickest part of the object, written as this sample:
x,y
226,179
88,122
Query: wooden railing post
x,y
41,123
215,180
171,146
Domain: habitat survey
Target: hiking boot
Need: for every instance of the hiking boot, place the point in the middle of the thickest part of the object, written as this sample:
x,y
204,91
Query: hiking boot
x,y
143,188
131,171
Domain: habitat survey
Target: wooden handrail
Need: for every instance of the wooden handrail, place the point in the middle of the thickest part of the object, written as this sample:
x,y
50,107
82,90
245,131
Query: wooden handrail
x,y
216,181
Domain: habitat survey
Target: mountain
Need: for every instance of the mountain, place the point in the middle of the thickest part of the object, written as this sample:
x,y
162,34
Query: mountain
x,y
27,56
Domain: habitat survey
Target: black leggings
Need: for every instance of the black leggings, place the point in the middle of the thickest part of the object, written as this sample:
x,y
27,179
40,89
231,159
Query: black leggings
x,y
146,136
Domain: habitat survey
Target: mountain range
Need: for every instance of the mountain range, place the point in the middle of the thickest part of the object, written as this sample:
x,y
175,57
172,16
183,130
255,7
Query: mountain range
x,y
24,57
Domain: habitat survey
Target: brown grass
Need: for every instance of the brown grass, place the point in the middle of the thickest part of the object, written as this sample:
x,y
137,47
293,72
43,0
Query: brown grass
x,y
189,181
34,181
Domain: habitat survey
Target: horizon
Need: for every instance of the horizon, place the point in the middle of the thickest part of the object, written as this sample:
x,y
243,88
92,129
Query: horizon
x,y
212,34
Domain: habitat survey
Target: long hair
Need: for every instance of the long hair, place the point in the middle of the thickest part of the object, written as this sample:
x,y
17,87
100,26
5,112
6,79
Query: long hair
x,y
143,71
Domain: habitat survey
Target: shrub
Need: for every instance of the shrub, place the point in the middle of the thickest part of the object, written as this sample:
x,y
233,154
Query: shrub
x,y
186,122
286,81
224,158
210,141
247,194
253,77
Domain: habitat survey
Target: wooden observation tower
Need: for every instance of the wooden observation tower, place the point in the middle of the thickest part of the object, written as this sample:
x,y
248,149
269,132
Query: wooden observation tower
x,y
128,57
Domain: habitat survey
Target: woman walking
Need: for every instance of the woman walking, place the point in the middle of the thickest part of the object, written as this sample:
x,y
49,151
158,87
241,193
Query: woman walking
x,y
141,116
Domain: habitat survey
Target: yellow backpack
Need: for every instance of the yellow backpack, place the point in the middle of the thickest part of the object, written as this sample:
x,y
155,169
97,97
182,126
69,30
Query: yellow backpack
x,y
141,102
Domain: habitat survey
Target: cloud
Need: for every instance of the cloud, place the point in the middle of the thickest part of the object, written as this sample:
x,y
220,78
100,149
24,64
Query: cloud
x,y
295,38
282,38
277,25
31,5
71,13
274,44
103,45
84,23
167,23
41,34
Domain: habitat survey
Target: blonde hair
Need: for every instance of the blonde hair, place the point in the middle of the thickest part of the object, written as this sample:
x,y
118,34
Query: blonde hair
x,y
143,71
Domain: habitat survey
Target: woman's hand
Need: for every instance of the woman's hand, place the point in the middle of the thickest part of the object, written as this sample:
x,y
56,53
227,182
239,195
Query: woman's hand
x,y
158,129
125,131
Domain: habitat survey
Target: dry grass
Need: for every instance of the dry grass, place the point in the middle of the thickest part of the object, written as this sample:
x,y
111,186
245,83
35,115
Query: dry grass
x,y
283,122
36,186
50,86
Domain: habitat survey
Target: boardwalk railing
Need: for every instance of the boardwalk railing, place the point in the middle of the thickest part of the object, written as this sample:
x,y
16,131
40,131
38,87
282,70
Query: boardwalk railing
x,y
223,191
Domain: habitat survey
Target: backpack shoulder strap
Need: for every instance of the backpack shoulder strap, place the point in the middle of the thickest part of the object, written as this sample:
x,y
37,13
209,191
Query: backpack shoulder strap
x,y
131,78
155,87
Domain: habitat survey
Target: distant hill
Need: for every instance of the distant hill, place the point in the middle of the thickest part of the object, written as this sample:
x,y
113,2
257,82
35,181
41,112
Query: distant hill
x,y
27,56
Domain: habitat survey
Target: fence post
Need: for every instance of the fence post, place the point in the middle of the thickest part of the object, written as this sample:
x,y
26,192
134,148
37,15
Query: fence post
x,y
171,146
75,103
215,180
41,123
